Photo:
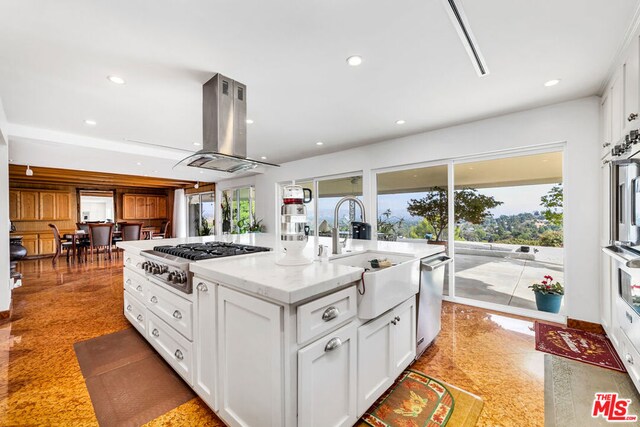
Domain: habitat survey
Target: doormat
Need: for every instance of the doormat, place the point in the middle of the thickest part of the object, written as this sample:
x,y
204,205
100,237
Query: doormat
x,y
587,347
413,400
129,384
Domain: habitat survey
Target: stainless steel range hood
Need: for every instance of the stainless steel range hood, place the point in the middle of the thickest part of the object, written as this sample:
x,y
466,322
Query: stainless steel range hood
x,y
224,128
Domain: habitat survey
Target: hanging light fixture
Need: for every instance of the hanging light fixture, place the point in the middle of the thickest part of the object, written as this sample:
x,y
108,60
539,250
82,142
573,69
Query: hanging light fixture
x,y
197,185
28,172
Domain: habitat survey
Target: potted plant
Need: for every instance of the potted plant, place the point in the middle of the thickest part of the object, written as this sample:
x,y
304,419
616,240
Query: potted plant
x,y
548,295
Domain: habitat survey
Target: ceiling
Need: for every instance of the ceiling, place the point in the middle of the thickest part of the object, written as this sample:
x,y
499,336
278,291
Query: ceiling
x,y
55,57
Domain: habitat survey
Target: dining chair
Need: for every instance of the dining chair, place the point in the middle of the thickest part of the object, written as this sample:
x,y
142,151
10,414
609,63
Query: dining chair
x,y
60,245
101,236
164,231
132,231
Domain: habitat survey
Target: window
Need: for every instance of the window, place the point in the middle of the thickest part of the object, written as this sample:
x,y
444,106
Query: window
x,y
238,211
201,209
330,191
96,206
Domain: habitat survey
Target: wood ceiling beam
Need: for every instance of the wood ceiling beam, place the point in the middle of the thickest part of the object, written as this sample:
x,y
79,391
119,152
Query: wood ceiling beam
x,y
43,175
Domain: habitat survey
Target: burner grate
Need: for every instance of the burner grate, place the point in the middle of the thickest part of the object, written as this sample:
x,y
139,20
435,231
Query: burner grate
x,y
209,250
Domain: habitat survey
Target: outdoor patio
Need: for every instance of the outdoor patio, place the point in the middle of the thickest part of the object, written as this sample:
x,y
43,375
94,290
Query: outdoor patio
x,y
498,277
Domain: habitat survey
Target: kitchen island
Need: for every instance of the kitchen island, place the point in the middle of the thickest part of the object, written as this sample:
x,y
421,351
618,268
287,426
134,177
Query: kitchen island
x,y
264,344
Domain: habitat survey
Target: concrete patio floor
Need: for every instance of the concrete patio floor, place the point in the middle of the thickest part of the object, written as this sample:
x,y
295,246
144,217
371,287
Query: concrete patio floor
x,y
502,280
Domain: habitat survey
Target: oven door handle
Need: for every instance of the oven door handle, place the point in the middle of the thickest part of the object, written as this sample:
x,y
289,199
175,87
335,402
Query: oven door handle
x,y
633,190
629,263
633,263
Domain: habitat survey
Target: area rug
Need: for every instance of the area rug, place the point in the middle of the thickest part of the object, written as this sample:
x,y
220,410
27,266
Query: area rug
x,y
414,400
129,384
587,347
570,387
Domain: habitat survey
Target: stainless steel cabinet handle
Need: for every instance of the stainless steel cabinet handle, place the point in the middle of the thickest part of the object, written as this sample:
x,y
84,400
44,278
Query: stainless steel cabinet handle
x,y
155,333
628,316
128,281
629,359
202,287
333,344
139,317
129,307
154,299
330,313
398,318
179,355
632,117
394,321
606,144
177,315
139,288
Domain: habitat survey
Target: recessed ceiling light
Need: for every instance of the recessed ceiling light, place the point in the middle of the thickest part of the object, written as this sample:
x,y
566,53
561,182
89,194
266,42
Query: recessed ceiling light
x,y
319,143
139,163
90,122
354,60
116,79
197,144
263,157
249,121
201,171
552,82
400,122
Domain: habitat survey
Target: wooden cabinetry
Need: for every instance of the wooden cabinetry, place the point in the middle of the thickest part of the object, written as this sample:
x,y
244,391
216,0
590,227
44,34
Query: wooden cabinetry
x,y
136,206
250,346
31,243
47,202
14,205
46,245
327,374
29,205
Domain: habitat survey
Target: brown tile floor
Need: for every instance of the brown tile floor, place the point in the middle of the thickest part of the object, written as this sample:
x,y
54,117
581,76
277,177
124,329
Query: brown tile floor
x,y
485,353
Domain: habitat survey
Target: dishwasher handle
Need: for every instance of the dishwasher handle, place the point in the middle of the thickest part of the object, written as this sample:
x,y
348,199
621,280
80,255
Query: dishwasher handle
x,y
444,260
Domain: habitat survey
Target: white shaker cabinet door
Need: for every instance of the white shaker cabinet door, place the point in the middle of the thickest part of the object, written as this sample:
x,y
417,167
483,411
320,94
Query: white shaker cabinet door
x,y
250,356
404,335
631,75
205,342
375,360
327,380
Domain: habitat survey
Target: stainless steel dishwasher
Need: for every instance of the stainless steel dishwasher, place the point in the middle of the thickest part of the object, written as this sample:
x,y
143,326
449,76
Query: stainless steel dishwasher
x,y
430,300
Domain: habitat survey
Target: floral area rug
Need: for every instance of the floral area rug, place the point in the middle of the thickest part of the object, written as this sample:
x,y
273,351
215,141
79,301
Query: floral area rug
x,y
414,400
575,344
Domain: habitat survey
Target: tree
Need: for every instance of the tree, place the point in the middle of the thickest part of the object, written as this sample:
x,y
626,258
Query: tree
x,y
469,206
390,228
552,201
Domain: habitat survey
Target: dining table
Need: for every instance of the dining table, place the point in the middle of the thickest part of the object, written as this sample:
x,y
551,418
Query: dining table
x,y
75,239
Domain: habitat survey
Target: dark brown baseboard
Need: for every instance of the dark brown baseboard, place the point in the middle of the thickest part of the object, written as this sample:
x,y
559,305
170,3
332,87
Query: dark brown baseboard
x,y
585,326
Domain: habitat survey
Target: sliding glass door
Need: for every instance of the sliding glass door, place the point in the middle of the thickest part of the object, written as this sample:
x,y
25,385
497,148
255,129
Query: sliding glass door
x,y
201,209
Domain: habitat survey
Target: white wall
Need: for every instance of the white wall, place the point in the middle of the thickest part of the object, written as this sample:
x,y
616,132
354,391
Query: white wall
x,y
575,123
5,284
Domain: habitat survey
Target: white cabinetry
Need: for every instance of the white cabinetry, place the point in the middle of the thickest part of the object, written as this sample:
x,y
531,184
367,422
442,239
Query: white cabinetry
x,y
387,346
605,124
204,341
250,355
631,94
327,380
615,95
173,347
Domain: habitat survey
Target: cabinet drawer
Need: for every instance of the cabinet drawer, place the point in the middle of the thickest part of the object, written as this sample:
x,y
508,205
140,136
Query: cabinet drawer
x,y
319,316
135,312
628,320
133,261
175,310
172,346
630,357
135,284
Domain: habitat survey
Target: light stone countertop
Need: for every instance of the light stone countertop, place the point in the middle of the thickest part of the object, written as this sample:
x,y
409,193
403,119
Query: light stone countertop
x,y
261,275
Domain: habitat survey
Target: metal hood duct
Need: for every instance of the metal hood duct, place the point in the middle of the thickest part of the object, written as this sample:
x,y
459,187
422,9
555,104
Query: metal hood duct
x,y
224,128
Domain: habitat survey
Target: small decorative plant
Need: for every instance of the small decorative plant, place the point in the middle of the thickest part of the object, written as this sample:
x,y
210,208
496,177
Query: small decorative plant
x,y
548,287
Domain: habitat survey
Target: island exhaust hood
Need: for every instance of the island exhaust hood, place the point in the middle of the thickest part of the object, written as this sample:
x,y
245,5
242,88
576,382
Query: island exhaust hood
x,y
224,128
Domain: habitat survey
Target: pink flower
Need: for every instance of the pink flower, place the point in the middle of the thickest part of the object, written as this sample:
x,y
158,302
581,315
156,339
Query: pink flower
x,y
544,282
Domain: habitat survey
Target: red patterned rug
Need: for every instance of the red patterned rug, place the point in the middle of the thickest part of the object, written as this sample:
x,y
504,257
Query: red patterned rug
x,y
414,400
575,344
